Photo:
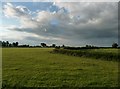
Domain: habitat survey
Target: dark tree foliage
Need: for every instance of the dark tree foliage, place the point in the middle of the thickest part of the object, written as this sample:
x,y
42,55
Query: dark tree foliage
x,y
8,44
24,45
0,43
53,45
43,45
57,47
114,45
14,44
63,46
78,48
3,44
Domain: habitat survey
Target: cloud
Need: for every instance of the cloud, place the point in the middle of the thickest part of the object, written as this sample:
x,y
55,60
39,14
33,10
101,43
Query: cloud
x,y
15,11
72,22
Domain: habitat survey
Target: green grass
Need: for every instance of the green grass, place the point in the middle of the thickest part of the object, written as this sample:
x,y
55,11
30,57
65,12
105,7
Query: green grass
x,y
0,67
37,67
104,54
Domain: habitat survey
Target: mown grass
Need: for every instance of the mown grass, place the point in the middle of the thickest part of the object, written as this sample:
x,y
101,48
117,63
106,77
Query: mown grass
x,y
104,54
37,67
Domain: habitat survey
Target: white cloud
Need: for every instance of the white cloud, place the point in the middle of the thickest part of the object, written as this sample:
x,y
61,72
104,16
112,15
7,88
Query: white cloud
x,y
74,21
15,11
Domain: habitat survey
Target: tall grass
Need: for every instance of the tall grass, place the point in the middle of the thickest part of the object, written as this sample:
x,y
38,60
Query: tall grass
x,y
104,54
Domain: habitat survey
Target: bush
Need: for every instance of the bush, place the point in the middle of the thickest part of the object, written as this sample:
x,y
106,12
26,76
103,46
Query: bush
x,y
89,53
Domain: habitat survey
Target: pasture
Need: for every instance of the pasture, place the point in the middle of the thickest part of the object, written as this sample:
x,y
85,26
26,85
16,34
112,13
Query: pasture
x,y
38,67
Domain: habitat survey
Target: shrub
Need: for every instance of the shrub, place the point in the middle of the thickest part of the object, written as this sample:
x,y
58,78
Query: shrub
x,y
89,53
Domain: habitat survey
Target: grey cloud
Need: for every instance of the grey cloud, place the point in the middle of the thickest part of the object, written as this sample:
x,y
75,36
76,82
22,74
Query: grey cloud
x,y
88,22
15,11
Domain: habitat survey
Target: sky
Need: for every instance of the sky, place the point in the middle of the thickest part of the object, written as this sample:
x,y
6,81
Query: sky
x,y
68,23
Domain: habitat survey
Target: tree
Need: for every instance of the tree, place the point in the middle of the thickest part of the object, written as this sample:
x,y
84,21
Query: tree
x,y
53,45
0,43
3,44
89,46
63,46
13,44
10,45
7,43
57,47
16,44
114,45
43,45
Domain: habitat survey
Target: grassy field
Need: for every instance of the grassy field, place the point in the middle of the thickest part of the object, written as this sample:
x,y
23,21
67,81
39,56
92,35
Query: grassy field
x,y
37,67
0,67
110,54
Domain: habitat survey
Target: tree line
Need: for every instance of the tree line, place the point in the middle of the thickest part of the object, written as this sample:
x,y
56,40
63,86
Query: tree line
x,y
16,44
8,44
